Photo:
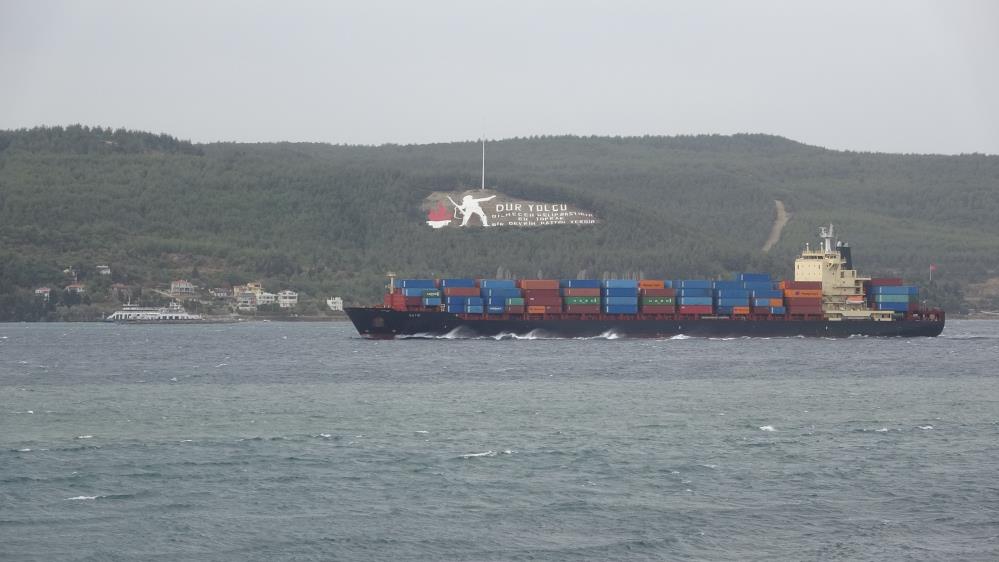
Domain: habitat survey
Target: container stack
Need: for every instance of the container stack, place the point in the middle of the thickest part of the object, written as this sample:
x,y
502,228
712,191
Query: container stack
x,y
766,297
580,296
694,296
891,294
731,298
620,296
461,296
497,295
413,293
654,297
541,296
802,297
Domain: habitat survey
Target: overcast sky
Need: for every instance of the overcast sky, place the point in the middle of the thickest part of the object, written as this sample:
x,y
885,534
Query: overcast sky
x,y
901,76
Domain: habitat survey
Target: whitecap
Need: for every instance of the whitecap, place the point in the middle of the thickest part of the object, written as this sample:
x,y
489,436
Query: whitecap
x,y
882,430
221,365
421,431
324,435
680,337
474,455
84,436
83,498
926,427
24,450
509,452
767,428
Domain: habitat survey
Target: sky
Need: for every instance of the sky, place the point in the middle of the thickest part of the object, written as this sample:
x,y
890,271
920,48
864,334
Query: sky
x,y
886,76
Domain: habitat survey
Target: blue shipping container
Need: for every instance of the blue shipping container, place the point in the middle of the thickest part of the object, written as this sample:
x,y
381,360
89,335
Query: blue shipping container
x,y
620,309
618,292
456,308
423,283
455,300
761,302
734,302
457,282
620,301
497,284
620,284
700,301
732,293
727,284
723,310
693,284
495,301
758,286
432,301
413,291
778,310
476,301
694,292
894,306
504,292
474,309
579,283
768,294
496,309
899,290
754,277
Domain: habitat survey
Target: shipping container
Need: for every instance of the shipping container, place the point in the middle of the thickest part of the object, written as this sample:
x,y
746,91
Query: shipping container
x,y
893,298
723,310
885,281
514,301
620,309
582,309
623,301
894,306
658,301
412,291
777,302
541,293
798,293
696,301
740,310
754,277
761,302
894,290
515,309
461,292
801,285
474,309
658,309
496,309
538,284
455,300
581,300
802,301
619,284
581,292
768,286
457,308
500,292
732,302
732,293
695,309
694,292
664,292
731,285
464,283
416,283
543,301
768,294
692,284
413,301
778,310
497,284
431,302
619,292
536,309
651,284
431,293
580,283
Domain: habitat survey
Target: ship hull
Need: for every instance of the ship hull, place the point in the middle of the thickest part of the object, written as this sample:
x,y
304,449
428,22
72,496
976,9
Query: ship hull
x,y
385,323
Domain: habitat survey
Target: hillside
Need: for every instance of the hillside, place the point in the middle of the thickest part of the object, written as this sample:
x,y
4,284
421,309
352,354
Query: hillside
x,y
327,219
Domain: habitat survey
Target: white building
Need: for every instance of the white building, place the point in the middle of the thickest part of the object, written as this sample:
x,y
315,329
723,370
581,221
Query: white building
x,y
181,288
266,298
335,304
287,299
246,300
103,270
43,293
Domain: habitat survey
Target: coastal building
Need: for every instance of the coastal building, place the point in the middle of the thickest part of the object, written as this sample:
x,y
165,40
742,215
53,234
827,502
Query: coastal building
x,y
266,298
76,288
287,299
246,301
220,293
43,293
335,304
182,288
104,270
121,291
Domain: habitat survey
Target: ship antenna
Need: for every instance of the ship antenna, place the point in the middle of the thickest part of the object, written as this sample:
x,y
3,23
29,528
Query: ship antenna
x,y
483,164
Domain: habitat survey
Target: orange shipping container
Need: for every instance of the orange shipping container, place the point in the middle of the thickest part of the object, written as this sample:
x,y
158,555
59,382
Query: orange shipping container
x,y
776,302
536,309
740,310
538,284
651,284
802,292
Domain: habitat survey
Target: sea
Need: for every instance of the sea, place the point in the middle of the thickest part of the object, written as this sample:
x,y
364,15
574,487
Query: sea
x,y
302,441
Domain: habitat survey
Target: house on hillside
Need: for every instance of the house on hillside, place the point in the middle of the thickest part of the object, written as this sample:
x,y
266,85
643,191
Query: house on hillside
x,y
75,288
287,299
246,301
43,293
220,293
121,291
104,270
266,298
182,288
335,304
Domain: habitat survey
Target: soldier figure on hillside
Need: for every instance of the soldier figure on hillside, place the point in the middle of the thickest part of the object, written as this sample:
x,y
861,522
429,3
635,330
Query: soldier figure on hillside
x,y
470,206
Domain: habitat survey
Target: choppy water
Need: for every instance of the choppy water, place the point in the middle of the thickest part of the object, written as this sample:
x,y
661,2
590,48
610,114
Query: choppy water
x,y
301,441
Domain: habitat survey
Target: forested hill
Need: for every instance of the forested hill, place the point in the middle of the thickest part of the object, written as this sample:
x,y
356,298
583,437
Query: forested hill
x,y
327,219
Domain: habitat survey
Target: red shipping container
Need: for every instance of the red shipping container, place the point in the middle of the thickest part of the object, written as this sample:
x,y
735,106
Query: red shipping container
x,y
805,310
460,292
538,284
543,301
662,292
802,301
651,284
658,309
541,293
414,301
886,281
572,292
515,309
583,309
696,309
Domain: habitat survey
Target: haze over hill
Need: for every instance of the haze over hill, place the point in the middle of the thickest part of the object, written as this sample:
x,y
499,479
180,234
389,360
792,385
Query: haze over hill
x,y
327,219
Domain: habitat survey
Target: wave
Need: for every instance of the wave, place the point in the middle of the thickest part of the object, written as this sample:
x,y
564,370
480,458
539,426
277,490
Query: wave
x,y
476,455
767,428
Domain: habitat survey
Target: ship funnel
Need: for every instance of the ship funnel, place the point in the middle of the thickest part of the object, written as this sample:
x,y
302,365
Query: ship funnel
x,y
847,255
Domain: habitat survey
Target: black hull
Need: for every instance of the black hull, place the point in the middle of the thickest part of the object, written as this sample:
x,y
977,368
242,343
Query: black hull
x,y
386,323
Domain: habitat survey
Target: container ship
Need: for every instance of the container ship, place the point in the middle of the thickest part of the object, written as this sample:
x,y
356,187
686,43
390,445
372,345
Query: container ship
x,y
827,298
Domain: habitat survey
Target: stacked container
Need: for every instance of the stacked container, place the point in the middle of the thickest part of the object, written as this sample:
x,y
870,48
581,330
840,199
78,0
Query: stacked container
x,y
620,296
654,297
541,296
694,296
731,297
897,298
496,294
802,297
580,296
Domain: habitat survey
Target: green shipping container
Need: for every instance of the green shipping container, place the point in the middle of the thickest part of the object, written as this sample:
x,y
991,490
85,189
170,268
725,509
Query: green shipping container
x,y
892,298
431,293
667,301
515,301
581,300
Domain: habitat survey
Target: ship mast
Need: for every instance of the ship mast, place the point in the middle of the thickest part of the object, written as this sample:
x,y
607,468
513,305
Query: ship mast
x,y
483,186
